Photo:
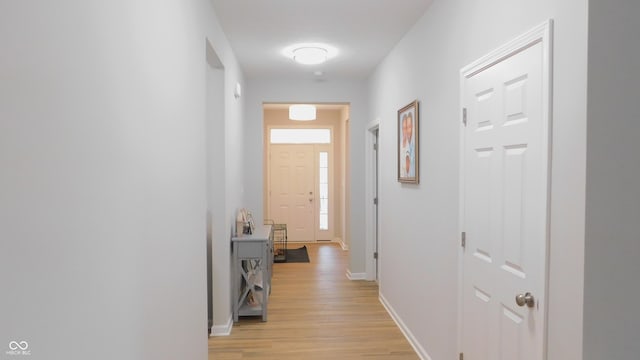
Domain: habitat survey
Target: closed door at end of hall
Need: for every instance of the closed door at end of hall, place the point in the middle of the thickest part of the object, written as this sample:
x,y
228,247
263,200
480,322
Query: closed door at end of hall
x,y
292,182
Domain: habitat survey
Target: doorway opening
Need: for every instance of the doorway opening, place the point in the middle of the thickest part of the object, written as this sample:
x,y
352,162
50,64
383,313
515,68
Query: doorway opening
x,y
306,172
372,221
217,243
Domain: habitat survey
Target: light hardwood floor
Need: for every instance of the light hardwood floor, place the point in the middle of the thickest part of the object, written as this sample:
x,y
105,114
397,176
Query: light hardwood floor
x,y
315,312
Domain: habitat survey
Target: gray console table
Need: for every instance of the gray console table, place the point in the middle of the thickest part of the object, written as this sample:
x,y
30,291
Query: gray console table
x,y
252,261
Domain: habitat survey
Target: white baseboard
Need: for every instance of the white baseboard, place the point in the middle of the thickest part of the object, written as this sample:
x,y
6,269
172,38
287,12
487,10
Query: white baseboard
x,y
344,246
407,333
356,276
222,330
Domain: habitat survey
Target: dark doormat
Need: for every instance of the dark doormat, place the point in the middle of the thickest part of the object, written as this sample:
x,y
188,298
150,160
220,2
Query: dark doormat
x,y
297,255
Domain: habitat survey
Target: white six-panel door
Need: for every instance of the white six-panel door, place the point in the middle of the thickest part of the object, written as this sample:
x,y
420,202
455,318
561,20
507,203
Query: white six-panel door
x,y
292,190
505,201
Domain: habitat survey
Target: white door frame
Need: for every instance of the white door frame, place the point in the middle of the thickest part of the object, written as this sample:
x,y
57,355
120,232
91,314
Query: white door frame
x,y
543,34
370,211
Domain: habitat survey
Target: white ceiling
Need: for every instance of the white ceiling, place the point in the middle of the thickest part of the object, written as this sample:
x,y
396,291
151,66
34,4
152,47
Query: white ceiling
x,y
364,31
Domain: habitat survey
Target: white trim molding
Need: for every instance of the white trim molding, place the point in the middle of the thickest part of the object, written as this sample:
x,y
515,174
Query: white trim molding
x,y
356,276
422,353
223,330
370,215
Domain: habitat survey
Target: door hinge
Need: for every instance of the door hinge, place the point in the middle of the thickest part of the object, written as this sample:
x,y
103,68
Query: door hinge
x,y
375,201
464,116
375,255
463,239
461,357
375,146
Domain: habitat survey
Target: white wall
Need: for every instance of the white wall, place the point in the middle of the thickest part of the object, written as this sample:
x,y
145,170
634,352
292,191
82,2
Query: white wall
x,y
419,224
285,91
102,187
612,269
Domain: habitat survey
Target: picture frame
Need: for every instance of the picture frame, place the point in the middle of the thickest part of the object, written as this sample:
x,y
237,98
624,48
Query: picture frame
x,y
408,144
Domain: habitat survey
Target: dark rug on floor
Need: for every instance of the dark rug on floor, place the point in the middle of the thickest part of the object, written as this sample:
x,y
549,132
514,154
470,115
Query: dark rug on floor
x,y
298,255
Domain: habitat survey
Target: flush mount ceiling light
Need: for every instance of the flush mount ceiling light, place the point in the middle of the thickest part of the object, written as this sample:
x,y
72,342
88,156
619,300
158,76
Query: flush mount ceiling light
x,y
302,112
310,53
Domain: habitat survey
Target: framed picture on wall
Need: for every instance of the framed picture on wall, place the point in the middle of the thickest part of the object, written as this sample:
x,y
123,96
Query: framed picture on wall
x,y
408,140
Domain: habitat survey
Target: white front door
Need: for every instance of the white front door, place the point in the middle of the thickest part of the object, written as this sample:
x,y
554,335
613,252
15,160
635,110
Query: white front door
x,y
505,195
292,182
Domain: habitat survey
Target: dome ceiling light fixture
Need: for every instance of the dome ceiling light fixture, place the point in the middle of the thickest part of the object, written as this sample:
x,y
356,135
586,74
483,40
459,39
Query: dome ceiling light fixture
x,y
302,112
310,53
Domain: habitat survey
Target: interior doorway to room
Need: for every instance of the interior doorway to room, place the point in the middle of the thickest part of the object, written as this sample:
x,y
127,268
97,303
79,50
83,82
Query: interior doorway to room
x,y
305,172
216,185
376,179
372,171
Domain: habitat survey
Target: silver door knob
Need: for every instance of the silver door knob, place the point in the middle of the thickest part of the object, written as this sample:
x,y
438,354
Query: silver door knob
x,y
525,299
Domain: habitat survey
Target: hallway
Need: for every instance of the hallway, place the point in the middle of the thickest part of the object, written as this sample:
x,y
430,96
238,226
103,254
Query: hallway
x,y
315,312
